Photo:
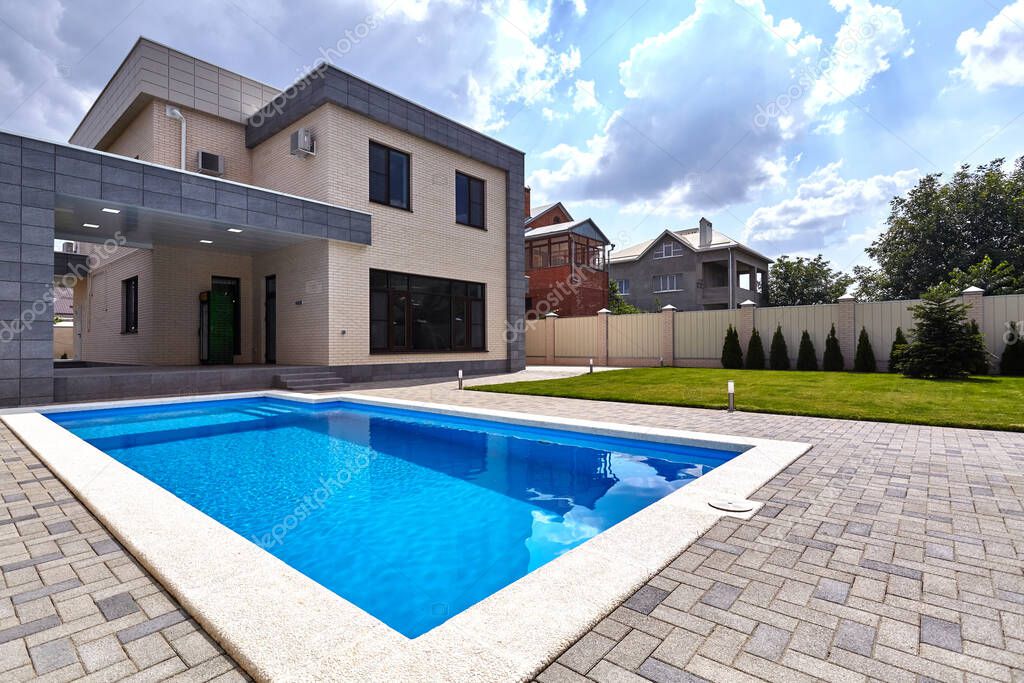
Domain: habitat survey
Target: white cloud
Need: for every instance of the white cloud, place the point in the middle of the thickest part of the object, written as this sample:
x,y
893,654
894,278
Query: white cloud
x,y
821,206
714,133
995,55
580,7
862,47
584,97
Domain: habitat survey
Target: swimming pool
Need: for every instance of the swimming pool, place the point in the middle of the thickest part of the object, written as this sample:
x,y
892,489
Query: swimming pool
x,y
412,516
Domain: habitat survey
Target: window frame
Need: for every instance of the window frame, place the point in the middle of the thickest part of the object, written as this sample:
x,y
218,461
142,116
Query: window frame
x,y
130,305
470,180
388,151
618,285
677,249
676,277
396,293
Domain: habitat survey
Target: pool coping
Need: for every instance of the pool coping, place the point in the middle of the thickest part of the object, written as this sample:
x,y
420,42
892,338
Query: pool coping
x,y
280,625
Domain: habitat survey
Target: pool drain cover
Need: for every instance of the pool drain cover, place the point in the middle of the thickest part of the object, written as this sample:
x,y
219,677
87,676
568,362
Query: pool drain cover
x,y
731,505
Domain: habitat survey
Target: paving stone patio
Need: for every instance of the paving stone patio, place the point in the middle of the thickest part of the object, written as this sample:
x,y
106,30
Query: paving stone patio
x,y
887,553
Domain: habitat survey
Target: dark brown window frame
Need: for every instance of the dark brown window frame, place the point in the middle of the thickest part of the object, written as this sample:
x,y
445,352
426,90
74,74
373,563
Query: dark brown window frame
x,y
130,305
395,294
470,179
387,176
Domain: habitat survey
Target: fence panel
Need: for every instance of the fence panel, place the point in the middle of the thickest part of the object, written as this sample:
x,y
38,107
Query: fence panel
x,y
699,334
998,311
817,320
575,337
634,336
880,319
535,331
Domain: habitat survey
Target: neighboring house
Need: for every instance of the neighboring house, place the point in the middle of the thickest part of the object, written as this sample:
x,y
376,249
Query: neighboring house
x,y
566,262
335,224
693,270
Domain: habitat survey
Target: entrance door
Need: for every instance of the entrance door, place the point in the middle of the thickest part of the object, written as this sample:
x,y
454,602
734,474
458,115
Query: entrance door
x,y
225,323
270,318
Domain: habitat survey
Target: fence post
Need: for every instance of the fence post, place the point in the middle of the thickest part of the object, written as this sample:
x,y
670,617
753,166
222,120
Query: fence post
x,y
975,306
846,328
602,337
668,335
549,338
746,327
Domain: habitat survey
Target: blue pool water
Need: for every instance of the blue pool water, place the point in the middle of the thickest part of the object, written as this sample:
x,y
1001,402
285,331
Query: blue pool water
x,y
411,516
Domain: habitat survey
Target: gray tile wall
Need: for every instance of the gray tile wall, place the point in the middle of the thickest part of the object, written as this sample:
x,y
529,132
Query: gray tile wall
x,y
26,271
331,85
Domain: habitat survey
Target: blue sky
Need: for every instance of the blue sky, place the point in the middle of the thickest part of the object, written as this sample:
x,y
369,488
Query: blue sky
x,y
790,125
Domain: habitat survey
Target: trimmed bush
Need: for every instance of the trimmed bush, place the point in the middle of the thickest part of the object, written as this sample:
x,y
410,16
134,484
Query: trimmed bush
x,y
779,357
732,354
979,364
833,360
755,352
899,343
1012,361
806,358
864,359
943,343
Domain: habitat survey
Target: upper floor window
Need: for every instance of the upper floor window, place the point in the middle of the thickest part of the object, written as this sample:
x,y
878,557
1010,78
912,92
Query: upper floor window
x,y
668,248
667,283
389,176
130,305
469,200
622,286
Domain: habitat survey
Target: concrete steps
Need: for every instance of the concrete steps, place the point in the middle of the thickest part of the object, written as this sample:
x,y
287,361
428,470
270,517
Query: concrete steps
x,y
310,380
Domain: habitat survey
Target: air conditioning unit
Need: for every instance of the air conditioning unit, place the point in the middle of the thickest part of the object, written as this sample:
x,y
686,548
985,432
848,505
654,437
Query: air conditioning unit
x,y
69,248
303,143
211,164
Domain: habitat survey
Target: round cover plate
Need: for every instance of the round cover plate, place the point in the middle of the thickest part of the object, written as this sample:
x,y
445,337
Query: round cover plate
x,y
730,505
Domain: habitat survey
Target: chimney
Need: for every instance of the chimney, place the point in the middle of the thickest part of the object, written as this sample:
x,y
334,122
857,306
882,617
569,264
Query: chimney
x,y
526,200
706,234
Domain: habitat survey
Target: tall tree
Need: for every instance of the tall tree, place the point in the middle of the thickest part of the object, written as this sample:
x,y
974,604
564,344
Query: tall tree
x,y
802,281
994,279
940,227
617,304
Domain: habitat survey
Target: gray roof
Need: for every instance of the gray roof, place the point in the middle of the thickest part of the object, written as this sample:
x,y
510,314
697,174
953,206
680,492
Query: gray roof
x,y
689,237
583,226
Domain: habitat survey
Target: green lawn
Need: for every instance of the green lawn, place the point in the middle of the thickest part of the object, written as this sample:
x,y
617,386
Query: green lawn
x,y
979,402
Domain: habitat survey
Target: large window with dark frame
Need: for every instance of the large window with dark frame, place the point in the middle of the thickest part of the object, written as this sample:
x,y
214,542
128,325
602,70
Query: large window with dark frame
x,y
469,200
389,176
417,313
130,305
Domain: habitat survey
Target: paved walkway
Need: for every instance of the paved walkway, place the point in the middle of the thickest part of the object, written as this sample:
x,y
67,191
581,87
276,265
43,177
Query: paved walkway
x,y
889,553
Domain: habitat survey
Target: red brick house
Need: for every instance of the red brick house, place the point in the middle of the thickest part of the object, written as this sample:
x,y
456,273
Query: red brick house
x,y
566,262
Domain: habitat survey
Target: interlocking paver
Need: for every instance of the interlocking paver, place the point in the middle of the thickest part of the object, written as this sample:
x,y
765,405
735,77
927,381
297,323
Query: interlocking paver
x,y
941,633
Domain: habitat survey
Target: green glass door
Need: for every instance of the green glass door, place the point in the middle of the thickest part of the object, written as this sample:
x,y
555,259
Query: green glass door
x,y
224,337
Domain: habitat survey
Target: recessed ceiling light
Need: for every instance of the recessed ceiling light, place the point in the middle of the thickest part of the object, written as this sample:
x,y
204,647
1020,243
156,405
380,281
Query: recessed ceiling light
x,y
205,241
90,225
107,210
234,230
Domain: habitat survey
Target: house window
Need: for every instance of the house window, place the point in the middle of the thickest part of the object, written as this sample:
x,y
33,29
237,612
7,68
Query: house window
x,y
389,176
622,286
469,200
416,313
667,283
667,249
130,305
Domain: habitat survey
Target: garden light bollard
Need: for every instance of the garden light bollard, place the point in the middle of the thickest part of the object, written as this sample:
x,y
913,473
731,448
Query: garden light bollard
x,y
732,396
460,380
591,366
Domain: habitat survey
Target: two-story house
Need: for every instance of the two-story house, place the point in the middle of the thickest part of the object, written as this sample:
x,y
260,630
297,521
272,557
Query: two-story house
x,y
331,223
566,262
695,269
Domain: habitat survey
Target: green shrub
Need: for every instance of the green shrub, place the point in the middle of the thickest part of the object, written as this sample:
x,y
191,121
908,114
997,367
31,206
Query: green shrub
x,y
833,359
864,359
1012,362
943,343
779,355
732,354
979,365
899,343
755,352
806,358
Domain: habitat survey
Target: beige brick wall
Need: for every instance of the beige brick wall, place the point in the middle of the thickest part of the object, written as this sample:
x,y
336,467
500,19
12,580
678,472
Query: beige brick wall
x,y
155,137
425,241
100,321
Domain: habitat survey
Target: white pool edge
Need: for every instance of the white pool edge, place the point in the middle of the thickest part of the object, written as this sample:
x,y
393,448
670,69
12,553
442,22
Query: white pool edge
x,y
280,625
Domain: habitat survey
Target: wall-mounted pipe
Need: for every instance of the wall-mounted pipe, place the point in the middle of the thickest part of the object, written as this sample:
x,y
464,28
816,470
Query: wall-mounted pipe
x,y
175,113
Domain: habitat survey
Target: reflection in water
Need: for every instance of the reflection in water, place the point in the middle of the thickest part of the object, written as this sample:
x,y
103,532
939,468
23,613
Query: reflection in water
x,y
435,513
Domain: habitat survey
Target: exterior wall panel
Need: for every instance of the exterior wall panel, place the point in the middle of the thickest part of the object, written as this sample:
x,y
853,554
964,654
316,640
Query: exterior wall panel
x,y
634,337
